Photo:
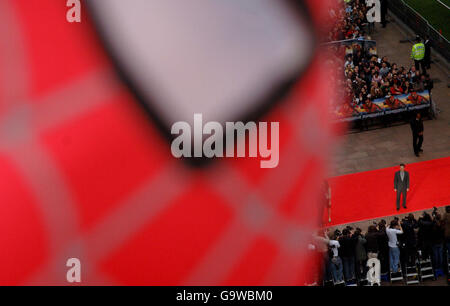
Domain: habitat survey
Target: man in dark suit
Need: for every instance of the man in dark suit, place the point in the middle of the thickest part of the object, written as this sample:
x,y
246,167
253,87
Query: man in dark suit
x,y
417,131
401,185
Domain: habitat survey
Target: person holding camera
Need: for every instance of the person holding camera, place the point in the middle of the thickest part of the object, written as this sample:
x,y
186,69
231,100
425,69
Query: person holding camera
x,y
322,242
360,252
394,252
336,267
437,242
372,238
347,251
383,254
425,234
409,224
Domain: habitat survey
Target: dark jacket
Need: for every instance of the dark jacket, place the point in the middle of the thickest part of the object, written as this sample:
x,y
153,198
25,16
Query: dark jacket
x,y
372,241
427,44
447,225
409,235
348,245
383,241
416,126
400,184
384,6
437,233
360,250
425,233
429,85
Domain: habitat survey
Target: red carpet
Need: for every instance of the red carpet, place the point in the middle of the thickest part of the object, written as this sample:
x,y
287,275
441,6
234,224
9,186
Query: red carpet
x,y
369,195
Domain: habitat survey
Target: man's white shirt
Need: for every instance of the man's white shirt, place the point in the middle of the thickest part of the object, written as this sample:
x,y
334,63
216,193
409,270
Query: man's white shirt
x,y
334,244
392,235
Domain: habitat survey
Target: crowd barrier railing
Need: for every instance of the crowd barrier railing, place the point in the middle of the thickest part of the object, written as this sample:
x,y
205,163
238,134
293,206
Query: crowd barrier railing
x,y
361,114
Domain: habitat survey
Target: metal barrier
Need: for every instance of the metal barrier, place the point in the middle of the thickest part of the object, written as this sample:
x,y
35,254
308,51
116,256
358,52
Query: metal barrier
x,y
420,26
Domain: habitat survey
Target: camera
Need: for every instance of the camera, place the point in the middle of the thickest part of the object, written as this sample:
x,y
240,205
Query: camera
x,y
434,213
337,233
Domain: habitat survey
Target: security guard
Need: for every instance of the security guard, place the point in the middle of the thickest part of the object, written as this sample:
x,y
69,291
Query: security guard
x,y
418,55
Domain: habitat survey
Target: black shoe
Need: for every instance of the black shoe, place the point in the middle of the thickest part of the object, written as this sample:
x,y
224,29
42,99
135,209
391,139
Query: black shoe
x,y
398,208
404,207
421,151
417,154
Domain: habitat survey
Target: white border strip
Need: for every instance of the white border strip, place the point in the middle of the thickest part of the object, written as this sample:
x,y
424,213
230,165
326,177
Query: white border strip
x,y
448,8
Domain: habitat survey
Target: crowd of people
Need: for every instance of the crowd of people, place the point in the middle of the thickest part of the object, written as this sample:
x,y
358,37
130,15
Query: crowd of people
x,y
368,76
345,253
349,21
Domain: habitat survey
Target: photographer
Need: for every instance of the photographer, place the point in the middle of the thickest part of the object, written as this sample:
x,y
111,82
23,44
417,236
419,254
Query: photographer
x,y
409,224
322,242
425,235
437,242
372,238
394,252
335,261
446,221
360,253
347,253
383,254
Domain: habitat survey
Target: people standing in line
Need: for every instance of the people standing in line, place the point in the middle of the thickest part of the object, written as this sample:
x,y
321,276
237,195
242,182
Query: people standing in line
x,y
394,252
418,55
427,58
417,131
401,185
403,243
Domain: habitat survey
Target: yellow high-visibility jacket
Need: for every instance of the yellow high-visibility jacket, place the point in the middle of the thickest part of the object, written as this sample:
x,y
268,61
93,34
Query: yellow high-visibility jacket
x,y
418,52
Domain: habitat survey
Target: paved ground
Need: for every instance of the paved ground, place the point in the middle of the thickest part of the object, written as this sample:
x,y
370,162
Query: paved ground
x,y
390,146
